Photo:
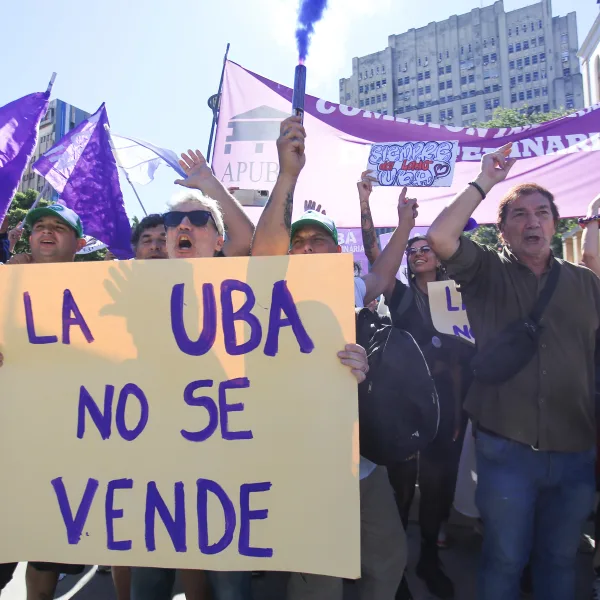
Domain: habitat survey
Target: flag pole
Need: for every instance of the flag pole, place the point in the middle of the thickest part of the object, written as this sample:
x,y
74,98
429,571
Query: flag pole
x,y
214,103
118,161
51,83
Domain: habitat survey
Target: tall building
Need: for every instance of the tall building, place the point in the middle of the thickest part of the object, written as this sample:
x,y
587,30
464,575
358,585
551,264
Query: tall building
x,y
457,71
590,62
57,122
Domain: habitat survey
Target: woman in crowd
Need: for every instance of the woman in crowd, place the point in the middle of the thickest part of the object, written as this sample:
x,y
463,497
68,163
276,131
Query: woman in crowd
x,y
447,357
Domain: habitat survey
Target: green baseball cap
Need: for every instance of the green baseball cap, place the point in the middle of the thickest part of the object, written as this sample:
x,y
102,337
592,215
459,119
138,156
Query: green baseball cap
x,y
70,217
312,217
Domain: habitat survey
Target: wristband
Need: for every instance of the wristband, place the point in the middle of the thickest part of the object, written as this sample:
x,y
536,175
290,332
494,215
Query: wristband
x,y
478,188
583,221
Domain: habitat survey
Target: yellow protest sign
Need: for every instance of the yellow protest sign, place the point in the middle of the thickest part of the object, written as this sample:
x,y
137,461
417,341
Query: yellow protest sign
x,y
176,413
448,312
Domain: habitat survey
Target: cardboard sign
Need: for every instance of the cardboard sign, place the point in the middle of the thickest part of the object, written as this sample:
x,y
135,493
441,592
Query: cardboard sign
x,y
448,312
180,413
413,164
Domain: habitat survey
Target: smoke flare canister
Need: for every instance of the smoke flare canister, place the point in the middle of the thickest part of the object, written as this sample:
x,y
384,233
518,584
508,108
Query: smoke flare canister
x,y
299,88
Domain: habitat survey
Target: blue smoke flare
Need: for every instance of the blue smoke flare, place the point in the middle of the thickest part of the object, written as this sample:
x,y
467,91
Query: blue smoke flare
x,y
309,13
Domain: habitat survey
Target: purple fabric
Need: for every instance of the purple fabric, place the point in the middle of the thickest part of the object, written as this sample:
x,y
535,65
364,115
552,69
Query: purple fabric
x,y
19,122
351,241
82,169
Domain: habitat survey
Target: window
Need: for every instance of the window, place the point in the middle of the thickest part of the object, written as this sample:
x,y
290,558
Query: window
x,y
519,63
520,78
384,82
428,118
400,81
448,68
384,97
544,91
400,110
442,86
407,95
509,32
450,113
546,107
513,97
442,115
427,74
472,92
447,56
487,90
569,103
486,59
450,98
565,56
513,82
420,91
488,104
564,38
421,104
521,95
372,86
542,57
485,43
449,84
536,92
419,76
464,109
421,118
541,40
511,64
496,87
494,42
540,24
367,102
511,48
419,62
531,25
360,89
566,72
385,112
496,102
463,80
440,59
428,89
517,30
377,70
527,61
469,47
518,47
525,45
534,59
533,42
362,103
372,100
441,71
543,74
472,107
536,75
527,77
378,99
529,94
378,85
463,95
371,72
406,80
471,78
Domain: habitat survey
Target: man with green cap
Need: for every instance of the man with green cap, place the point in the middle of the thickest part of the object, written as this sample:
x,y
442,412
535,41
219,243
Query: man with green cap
x,y
55,236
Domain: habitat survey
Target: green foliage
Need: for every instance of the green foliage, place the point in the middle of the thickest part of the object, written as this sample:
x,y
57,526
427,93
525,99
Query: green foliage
x,y
21,203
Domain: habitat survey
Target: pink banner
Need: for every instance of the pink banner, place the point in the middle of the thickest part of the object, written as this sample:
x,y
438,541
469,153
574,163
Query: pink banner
x,y
351,241
561,155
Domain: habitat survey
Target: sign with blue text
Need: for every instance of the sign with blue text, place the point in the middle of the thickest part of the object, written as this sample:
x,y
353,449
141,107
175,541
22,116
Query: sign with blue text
x,y
180,413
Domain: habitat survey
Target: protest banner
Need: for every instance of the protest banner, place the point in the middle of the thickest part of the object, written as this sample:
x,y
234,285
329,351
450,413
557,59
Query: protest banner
x,y
562,155
413,164
186,414
351,241
448,312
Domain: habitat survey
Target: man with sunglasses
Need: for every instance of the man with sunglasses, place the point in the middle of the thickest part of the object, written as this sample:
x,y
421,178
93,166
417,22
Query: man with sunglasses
x,y
383,543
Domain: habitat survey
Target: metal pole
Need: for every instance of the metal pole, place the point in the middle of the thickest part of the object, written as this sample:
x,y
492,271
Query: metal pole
x,y
216,106
118,161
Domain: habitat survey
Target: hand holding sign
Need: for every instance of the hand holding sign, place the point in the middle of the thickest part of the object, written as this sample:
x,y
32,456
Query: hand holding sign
x,y
355,357
365,185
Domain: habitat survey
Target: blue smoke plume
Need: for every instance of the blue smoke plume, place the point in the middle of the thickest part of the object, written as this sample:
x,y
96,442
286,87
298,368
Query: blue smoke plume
x,y
309,13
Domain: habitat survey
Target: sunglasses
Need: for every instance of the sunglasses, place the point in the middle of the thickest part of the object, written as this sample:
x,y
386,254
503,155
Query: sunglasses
x,y
421,250
198,218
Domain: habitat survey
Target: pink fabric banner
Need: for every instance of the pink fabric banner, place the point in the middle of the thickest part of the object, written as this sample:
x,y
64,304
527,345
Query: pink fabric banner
x,y
561,155
351,241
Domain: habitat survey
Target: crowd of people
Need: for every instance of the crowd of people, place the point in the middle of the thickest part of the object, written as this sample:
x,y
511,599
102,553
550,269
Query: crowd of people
x,y
534,429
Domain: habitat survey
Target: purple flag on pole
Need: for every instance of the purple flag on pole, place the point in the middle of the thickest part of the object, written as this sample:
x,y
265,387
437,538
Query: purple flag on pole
x,y
19,122
82,169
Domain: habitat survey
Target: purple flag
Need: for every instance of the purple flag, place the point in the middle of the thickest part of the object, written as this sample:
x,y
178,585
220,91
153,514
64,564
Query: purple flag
x,y
19,122
82,169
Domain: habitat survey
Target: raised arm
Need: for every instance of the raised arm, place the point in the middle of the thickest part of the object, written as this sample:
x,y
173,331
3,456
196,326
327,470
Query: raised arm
x,y
365,187
238,226
272,237
590,244
445,232
382,277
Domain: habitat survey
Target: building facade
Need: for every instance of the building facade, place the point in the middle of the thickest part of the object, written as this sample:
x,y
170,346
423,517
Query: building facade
x,y
457,71
590,64
57,122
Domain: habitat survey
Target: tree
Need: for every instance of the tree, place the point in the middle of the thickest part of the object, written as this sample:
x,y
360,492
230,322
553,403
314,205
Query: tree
x,y
510,117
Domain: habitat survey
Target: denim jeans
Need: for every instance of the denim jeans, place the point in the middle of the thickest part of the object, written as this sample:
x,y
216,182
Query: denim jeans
x,y
157,584
533,505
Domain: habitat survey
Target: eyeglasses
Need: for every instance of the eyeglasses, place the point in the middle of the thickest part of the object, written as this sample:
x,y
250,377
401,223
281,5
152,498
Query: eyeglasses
x,y
421,250
198,218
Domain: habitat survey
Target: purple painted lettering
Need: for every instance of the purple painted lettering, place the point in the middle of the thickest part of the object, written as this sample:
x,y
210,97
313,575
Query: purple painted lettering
x,y
225,409
102,420
112,513
229,317
175,526
206,402
33,338
74,525
130,389
209,328
247,515
70,306
204,486
449,305
282,301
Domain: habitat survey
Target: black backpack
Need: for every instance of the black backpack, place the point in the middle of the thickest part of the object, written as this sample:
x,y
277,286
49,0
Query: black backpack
x,y
397,403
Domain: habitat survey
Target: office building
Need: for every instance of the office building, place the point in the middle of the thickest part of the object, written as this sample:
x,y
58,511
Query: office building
x,y
457,71
590,64
57,122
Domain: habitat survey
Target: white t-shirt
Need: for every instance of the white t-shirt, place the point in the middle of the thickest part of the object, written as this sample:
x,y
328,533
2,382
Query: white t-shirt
x,y
366,467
